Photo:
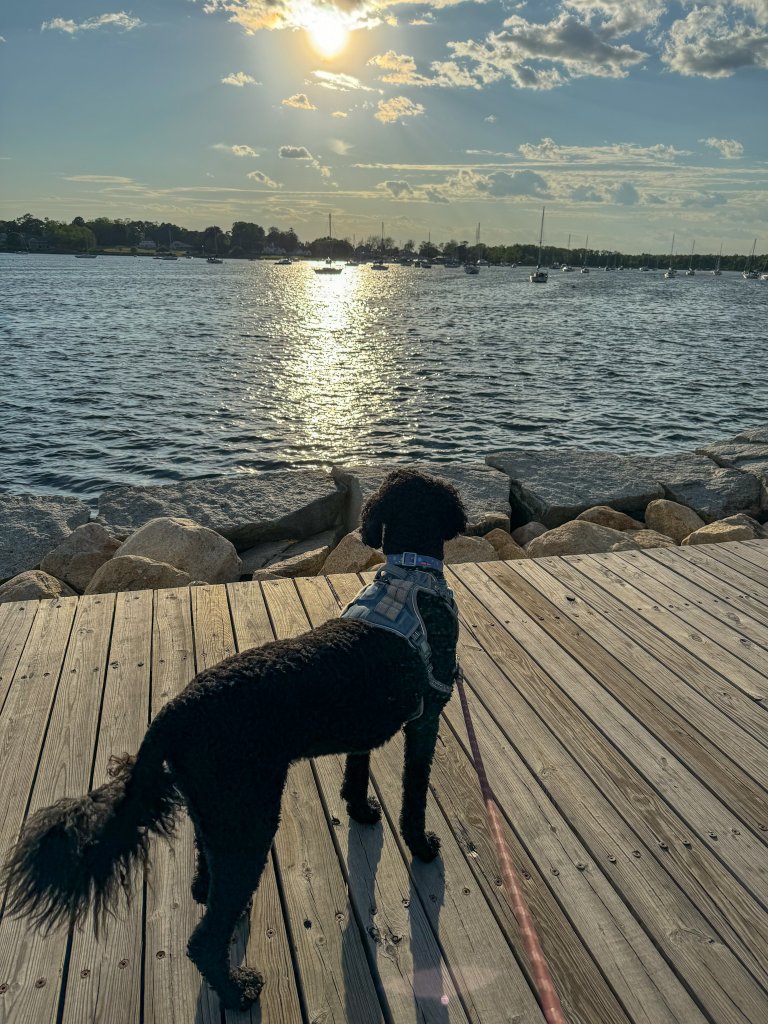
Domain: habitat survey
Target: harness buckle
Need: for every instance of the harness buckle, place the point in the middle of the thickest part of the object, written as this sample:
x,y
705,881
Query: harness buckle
x,y
409,559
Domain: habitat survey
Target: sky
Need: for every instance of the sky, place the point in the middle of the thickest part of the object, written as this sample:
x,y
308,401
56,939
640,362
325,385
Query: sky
x,y
628,119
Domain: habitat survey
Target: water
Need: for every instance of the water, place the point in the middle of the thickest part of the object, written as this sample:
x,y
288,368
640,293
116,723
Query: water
x,y
121,370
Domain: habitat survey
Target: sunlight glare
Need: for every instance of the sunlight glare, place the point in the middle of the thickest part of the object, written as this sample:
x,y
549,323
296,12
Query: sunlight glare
x,y
327,32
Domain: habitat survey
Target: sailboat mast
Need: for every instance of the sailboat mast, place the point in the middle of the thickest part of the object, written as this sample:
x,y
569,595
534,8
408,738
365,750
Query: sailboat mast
x,y
541,236
586,244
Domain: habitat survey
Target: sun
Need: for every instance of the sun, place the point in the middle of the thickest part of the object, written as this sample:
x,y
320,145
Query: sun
x,y
327,32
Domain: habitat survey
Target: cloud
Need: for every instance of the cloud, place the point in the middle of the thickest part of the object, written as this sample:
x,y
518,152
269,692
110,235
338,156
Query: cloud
x,y
302,153
340,147
122,21
427,18
262,179
236,150
622,17
730,149
714,41
704,200
585,194
549,151
340,82
400,69
434,195
339,113
625,194
491,119
399,107
100,179
398,189
516,183
300,101
239,78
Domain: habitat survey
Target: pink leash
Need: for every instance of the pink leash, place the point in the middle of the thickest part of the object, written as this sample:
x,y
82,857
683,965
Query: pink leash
x,y
542,979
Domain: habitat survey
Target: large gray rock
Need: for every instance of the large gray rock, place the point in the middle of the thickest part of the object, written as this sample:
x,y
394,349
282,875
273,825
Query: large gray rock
x,y
132,572
32,586
580,538
482,490
196,550
307,563
246,509
555,486
747,451
30,525
80,554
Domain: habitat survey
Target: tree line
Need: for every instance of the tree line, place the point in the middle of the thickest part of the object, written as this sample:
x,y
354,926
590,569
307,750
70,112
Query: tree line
x,y
246,239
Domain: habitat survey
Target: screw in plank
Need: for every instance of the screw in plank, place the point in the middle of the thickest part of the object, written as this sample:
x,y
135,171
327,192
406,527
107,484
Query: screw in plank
x,y
687,842
555,871
85,972
160,954
581,866
611,858
636,853
3,989
40,983
713,835
663,846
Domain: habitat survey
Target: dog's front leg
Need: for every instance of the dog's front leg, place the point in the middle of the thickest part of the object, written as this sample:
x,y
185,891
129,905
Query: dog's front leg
x,y
420,739
354,790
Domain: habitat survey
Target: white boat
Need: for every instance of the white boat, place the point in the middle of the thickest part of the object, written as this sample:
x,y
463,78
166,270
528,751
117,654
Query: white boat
x,y
671,272
566,267
690,272
284,262
717,271
471,268
215,258
539,275
748,273
328,267
379,264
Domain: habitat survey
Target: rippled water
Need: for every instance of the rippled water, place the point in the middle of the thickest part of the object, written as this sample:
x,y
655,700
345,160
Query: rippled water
x,y
121,370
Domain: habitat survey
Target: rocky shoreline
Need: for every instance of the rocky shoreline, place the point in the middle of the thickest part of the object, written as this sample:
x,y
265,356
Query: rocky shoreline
x,y
521,504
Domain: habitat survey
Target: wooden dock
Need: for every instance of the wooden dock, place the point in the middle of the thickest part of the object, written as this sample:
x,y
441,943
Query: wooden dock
x,y
621,703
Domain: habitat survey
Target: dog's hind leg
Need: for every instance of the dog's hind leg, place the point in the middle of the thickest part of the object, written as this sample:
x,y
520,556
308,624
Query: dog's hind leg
x,y
420,740
202,879
354,790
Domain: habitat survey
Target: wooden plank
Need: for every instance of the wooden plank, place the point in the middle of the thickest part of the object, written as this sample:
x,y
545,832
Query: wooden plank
x,y
34,964
681,624
335,976
740,632
400,910
104,977
692,671
554,609
622,841
737,558
173,989
726,572
661,771
268,944
16,618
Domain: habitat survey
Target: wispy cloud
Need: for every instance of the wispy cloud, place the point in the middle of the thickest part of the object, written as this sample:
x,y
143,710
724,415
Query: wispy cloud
x,y
263,179
396,109
728,148
340,82
100,179
302,153
400,69
300,101
239,79
339,113
120,20
236,150
549,151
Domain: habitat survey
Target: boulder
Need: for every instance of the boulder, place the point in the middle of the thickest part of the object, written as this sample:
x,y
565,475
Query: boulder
x,y
506,548
132,572
272,551
307,563
652,539
557,485
31,525
483,490
672,518
80,554
246,509
739,527
554,486
604,515
34,585
490,521
469,549
350,555
201,553
746,452
525,534
580,538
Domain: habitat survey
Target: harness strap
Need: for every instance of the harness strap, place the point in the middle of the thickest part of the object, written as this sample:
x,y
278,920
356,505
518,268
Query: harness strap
x,y
410,560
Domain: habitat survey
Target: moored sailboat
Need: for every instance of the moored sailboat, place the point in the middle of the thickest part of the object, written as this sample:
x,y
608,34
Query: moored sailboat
x,y
328,267
671,272
748,273
539,275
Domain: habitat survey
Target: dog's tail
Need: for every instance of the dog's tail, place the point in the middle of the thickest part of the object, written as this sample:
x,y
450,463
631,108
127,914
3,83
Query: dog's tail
x,y
82,852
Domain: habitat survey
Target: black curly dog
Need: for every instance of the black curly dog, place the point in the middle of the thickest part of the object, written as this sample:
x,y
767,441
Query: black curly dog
x,y
224,745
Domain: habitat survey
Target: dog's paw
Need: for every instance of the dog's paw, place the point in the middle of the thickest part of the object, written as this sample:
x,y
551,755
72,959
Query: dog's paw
x,y
425,847
242,990
366,813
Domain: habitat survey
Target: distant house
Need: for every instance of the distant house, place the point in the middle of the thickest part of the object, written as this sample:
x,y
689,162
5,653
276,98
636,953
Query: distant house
x,y
147,244
181,246
273,250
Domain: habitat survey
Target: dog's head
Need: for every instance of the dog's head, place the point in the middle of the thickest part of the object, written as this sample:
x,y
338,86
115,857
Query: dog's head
x,y
412,511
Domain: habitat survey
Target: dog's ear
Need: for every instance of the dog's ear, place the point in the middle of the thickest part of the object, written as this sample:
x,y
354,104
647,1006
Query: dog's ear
x,y
454,517
372,518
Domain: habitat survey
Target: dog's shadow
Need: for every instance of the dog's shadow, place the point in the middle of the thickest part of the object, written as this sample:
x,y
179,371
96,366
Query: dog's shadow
x,y
364,848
